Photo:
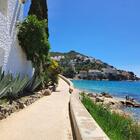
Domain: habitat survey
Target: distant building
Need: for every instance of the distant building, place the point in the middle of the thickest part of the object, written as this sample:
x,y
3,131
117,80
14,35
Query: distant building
x,y
92,59
79,56
57,58
110,70
83,74
12,57
94,74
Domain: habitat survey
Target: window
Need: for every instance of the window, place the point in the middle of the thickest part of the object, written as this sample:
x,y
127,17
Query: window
x,y
3,7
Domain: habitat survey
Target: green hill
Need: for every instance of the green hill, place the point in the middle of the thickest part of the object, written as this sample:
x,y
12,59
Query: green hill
x,y
80,66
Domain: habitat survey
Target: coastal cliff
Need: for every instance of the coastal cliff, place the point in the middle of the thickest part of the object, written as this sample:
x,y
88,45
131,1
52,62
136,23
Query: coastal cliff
x,y
79,66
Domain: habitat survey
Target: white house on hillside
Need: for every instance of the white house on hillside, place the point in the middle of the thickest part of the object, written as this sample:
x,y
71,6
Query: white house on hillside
x,y
12,57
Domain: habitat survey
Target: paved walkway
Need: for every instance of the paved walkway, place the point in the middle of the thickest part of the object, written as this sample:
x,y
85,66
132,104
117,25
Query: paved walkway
x,y
46,119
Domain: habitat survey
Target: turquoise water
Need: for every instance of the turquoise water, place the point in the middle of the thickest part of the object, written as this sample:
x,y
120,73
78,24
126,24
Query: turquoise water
x,y
119,89
115,88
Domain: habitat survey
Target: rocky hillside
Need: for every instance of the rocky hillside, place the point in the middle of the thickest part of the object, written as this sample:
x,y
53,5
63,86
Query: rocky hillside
x,y
79,66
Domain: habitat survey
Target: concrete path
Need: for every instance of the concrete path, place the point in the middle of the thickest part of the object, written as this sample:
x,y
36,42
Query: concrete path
x,y
46,119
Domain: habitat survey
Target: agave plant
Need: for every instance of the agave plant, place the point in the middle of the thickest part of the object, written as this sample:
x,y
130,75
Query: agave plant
x,y
14,87
5,83
11,87
33,84
17,87
1,73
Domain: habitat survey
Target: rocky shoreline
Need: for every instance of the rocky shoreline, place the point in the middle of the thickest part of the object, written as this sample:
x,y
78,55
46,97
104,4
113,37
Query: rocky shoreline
x,y
7,108
115,104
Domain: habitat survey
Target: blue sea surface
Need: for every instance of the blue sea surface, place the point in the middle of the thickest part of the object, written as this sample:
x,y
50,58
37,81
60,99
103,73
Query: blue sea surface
x,y
115,88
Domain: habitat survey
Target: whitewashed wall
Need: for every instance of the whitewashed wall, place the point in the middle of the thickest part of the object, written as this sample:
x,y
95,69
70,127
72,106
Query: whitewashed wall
x,y
12,57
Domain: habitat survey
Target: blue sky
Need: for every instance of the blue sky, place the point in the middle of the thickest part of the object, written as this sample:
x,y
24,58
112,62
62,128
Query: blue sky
x,y
105,29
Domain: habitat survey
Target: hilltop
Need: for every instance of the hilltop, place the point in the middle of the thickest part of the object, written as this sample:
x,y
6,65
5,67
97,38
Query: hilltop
x,y
79,66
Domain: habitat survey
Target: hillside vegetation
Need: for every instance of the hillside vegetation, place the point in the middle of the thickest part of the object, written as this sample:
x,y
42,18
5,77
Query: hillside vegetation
x,y
79,66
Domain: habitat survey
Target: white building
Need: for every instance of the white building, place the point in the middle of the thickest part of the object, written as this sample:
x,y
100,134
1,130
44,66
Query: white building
x,y
57,58
12,57
83,74
110,70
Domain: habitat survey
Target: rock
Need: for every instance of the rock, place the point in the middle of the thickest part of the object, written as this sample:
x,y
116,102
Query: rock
x,y
137,105
26,102
99,99
0,107
32,100
4,110
92,95
54,88
13,109
51,88
112,103
109,103
107,95
122,102
15,105
129,103
46,92
21,105
71,89
99,95
2,116
117,105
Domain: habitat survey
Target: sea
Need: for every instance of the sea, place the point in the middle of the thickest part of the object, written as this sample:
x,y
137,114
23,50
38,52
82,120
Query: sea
x,y
119,89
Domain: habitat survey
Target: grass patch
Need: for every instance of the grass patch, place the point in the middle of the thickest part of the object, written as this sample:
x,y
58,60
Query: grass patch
x,y
115,126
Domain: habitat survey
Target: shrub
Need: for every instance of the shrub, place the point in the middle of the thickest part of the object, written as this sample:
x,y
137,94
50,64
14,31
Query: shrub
x,y
34,41
53,71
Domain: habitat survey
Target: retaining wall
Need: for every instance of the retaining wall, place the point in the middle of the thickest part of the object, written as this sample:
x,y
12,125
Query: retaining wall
x,y
84,126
